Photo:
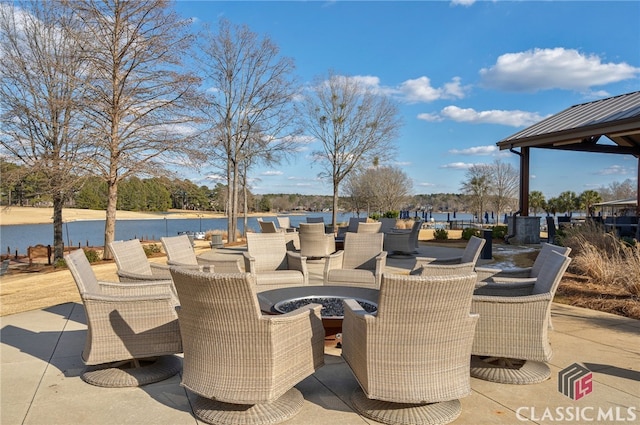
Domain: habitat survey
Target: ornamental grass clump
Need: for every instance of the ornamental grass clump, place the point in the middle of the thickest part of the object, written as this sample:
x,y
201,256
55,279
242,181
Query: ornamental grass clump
x,y
604,258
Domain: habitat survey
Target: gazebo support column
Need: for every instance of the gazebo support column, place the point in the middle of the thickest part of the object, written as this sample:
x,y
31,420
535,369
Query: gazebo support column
x,y
524,181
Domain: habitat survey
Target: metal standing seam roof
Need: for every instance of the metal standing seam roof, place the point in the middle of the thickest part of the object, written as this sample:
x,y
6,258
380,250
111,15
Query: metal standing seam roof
x,y
580,128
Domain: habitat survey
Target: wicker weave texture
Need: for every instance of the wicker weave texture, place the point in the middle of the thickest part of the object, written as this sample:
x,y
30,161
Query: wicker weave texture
x,y
179,250
314,242
403,242
267,258
517,326
124,321
417,348
234,354
361,263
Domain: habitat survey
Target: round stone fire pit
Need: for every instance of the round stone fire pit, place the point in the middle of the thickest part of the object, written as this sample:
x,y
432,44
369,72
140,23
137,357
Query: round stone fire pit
x,y
332,307
283,300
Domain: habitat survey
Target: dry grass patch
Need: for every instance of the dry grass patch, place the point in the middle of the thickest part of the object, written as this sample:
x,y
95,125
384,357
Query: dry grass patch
x,y
604,274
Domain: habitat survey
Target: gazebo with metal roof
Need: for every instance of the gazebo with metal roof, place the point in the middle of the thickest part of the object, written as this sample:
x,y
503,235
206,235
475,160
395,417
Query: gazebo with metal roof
x,y
610,125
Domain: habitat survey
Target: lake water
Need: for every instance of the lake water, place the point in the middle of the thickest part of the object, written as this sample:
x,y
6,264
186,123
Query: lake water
x,y
91,232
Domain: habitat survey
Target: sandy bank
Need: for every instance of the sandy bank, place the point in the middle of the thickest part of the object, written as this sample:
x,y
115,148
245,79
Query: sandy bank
x,y
32,215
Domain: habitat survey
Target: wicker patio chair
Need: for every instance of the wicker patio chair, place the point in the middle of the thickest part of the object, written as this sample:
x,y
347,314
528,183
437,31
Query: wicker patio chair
x,y
470,254
388,224
180,253
490,274
412,358
271,264
134,266
243,365
315,219
373,227
403,243
284,224
314,242
512,342
132,330
351,227
268,227
361,263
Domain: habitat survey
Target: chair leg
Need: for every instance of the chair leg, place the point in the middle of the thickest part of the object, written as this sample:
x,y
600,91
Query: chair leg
x,y
133,373
405,413
509,371
219,413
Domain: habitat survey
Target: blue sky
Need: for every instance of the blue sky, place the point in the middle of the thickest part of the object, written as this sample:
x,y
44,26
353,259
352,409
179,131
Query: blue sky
x,y
465,75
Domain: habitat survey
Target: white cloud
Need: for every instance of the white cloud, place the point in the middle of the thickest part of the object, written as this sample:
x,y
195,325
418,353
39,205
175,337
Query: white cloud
x,y
462,2
558,68
421,90
617,170
513,118
457,165
216,178
476,150
272,173
434,117
426,184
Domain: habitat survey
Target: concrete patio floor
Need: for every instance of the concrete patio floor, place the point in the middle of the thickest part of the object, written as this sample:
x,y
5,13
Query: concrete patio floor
x,y
41,364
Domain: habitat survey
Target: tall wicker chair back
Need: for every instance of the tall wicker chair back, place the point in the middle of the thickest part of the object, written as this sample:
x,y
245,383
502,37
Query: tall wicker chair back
x,y
412,359
271,264
241,364
314,242
361,263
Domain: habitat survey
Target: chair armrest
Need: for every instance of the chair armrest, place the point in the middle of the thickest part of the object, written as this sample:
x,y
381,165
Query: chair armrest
x,y
524,299
249,263
139,277
334,261
304,311
431,269
231,265
156,267
295,261
507,289
195,267
486,272
381,263
146,288
443,260
524,272
355,307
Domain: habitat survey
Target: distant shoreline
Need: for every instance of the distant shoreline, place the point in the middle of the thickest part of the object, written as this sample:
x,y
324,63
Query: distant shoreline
x,y
34,215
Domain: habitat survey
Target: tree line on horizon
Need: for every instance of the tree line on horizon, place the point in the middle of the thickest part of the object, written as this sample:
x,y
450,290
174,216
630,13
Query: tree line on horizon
x,y
160,194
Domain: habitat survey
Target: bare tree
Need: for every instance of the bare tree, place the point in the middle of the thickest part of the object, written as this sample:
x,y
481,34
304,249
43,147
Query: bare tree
x,y
251,91
354,123
478,186
505,183
380,189
137,107
39,98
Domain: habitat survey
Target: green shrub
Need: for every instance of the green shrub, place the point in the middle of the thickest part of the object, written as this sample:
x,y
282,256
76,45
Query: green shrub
x,y
392,214
470,231
440,234
149,250
60,264
92,255
375,216
499,232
